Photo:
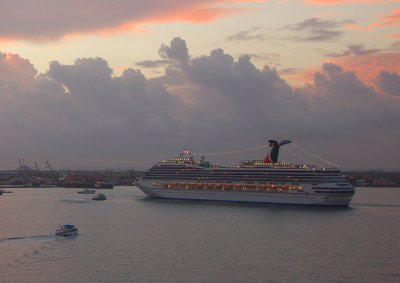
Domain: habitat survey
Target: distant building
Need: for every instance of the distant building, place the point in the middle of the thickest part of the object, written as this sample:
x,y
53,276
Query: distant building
x,y
382,182
11,177
25,168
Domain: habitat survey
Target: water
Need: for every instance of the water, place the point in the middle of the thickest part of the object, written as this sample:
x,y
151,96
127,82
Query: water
x,y
129,238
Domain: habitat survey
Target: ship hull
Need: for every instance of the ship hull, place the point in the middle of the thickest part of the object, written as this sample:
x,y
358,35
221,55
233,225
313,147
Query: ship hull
x,y
290,198
67,233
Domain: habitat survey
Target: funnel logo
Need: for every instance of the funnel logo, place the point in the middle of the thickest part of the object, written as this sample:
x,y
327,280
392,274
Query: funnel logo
x,y
272,156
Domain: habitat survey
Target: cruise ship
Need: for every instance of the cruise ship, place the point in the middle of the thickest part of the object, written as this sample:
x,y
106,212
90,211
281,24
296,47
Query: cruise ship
x,y
251,181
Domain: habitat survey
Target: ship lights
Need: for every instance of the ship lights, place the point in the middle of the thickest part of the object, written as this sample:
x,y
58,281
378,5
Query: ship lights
x,y
228,185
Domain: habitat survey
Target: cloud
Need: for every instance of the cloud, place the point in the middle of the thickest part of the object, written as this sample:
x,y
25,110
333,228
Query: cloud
x,y
50,20
15,68
97,112
246,35
333,2
83,115
365,63
392,20
317,29
270,58
356,50
177,51
388,21
389,83
152,63
369,66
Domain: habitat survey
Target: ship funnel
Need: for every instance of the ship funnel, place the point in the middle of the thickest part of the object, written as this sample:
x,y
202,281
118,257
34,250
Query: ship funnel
x,y
272,156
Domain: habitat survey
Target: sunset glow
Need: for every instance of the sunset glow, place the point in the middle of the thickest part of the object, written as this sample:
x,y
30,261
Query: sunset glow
x,y
188,72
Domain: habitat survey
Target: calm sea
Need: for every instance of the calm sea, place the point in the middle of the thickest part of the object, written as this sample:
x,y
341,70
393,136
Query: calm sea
x,y
129,238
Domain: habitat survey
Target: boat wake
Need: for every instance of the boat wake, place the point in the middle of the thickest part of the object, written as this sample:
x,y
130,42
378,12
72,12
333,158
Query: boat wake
x,y
379,205
74,200
39,237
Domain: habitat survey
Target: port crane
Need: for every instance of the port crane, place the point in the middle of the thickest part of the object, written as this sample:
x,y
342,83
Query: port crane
x,y
51,171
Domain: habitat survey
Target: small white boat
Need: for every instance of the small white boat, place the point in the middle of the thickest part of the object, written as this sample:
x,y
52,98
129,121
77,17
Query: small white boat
x,y
66,230
99,196
87,191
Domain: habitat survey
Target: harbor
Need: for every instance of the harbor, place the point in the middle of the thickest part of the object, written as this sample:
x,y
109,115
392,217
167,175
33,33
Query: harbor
x,y
25,176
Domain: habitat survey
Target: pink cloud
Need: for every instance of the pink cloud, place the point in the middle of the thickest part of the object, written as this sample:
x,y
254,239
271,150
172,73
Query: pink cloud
x,y
300,77
44,20
367,67
332,2
392,20
15,68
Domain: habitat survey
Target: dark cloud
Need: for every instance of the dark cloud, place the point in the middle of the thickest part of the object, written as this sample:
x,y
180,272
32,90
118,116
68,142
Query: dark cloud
x,y
389,83
353,50
338,106
315,24
177,51
315,29
152,63
82,115
246,35
49,20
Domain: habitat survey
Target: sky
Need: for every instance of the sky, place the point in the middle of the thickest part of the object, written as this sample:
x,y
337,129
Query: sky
x,y
125,83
